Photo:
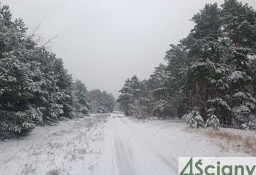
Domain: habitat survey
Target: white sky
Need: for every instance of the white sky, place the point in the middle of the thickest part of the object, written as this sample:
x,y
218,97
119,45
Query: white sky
x,y
104,42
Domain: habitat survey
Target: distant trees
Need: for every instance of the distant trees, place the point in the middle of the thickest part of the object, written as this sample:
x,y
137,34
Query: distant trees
x,y
212,70
35,88
101,101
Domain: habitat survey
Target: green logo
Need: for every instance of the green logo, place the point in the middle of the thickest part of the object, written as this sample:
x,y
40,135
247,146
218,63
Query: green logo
x,y
199,168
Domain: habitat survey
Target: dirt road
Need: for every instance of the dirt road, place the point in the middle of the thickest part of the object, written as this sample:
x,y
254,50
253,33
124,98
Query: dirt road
x,y
136,148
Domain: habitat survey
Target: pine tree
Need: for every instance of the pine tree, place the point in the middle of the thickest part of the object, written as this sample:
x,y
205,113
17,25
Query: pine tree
x,y
16,86
130,94
80,98
157,85
239,23
178,61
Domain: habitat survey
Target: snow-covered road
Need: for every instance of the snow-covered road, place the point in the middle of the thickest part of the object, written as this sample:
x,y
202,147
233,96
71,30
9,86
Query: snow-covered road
x,y
150,148
104,145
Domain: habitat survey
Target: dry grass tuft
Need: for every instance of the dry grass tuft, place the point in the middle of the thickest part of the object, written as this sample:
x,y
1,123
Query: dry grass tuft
x,y
228,140
250,145
223,135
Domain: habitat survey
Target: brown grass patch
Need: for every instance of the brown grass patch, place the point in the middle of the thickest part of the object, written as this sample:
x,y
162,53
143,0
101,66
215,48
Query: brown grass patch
x,y
228,140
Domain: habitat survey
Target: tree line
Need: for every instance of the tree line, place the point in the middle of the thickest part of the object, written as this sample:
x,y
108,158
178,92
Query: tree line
x,y
35,88
211,72
101,101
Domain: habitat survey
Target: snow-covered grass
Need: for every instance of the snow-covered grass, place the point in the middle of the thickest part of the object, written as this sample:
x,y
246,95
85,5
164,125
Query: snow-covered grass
x,y
72,147
229,139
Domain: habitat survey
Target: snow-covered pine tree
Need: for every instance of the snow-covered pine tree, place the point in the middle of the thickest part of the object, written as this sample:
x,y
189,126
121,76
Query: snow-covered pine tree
x,y
238,28
194,119
212,122
64,84
80,101
206,73
16,85
47,97
157,85
176,70
130,93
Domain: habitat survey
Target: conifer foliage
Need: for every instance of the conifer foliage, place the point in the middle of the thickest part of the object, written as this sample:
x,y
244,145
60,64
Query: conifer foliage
x,y
35,88
212,70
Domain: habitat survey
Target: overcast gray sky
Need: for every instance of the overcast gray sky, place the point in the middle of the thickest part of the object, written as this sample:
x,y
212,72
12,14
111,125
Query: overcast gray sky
x,y
104,42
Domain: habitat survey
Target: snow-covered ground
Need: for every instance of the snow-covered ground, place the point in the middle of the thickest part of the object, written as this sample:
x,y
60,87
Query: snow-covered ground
x,y
150,148
71,147
103,145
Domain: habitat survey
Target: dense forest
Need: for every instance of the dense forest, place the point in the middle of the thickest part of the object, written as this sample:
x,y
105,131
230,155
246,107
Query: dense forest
x,y
210,74
35,88
101,101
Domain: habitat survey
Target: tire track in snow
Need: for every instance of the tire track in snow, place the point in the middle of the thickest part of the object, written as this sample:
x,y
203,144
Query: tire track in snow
x,y
172,136
134,156
125,159
167,162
